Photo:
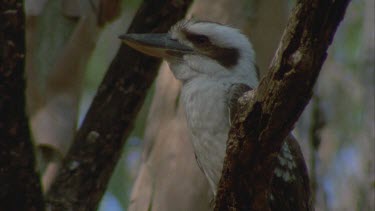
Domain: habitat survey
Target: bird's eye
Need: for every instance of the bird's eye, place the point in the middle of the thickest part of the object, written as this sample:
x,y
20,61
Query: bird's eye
x,y
201,39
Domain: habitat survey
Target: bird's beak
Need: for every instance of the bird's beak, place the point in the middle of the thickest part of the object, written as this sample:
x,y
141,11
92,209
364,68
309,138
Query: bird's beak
x,y
158,45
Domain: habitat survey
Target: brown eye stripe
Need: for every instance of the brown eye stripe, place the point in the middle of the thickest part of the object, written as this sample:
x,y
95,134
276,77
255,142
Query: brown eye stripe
x,y
197,39
227,57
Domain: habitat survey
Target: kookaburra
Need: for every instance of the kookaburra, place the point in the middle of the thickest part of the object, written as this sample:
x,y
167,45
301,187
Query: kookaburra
x,y
216,64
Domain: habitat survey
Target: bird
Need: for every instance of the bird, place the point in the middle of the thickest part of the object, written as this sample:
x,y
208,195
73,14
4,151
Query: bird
x,y
216,65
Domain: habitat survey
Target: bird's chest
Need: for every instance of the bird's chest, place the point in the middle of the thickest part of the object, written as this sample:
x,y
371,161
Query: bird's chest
x,y
208,120
206,108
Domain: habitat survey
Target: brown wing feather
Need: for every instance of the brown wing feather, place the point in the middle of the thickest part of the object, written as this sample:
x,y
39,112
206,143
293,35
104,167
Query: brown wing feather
x,y
290,184
290,188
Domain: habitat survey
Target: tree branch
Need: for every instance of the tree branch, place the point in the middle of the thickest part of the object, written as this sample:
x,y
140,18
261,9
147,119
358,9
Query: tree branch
x,y
19,182
259,130
99,142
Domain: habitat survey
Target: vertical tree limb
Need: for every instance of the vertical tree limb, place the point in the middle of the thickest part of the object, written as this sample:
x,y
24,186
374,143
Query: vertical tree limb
x,y
259,130
20,185
99,142
316,125
368,80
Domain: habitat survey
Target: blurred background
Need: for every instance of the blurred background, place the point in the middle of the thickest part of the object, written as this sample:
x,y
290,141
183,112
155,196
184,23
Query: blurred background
x,y
157,170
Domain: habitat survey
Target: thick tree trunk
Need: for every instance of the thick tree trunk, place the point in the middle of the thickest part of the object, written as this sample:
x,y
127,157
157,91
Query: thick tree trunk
x,y
19,187
275,107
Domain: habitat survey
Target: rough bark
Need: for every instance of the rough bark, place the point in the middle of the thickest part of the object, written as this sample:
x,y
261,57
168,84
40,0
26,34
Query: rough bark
x,y
257,135
20,186
97,146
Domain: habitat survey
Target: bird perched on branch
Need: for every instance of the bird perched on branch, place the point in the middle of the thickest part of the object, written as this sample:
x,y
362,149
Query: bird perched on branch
x,y
216,65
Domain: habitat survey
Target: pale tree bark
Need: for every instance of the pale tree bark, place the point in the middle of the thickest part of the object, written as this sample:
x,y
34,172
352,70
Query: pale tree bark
x,y
266,22
98,144
61,37
274,108
169,178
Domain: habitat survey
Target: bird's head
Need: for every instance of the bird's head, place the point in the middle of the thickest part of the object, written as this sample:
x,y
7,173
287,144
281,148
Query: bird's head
x,y
200,49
